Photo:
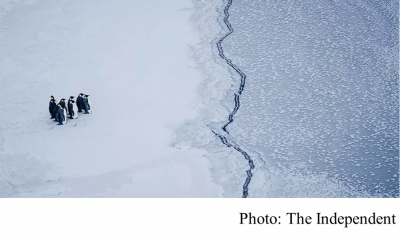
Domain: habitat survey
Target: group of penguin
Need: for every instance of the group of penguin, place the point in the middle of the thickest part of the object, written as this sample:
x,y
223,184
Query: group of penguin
x,y
58,112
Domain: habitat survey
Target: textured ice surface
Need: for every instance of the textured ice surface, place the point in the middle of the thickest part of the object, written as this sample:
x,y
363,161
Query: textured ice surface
x,y
321,97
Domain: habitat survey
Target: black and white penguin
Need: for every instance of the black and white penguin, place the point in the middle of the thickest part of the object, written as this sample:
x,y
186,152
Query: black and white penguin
x,y
79,102
69,107
62,103
86,105
62,115
52,103
55,111
73,114
70,98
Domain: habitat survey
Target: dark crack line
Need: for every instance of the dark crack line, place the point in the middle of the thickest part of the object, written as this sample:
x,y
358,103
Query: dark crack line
x,y
223,139
246,156
229,62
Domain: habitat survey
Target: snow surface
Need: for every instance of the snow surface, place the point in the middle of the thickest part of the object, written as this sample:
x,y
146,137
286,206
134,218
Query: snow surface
x,y
134,59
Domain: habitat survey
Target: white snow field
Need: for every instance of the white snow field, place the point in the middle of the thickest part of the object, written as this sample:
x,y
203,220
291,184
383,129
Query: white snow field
x,y
134,59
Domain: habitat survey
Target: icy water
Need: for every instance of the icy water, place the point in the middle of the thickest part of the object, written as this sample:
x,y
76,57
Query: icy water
x,y
321,94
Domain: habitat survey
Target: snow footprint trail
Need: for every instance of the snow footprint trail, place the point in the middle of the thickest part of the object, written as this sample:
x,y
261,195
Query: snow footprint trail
x,y
237,102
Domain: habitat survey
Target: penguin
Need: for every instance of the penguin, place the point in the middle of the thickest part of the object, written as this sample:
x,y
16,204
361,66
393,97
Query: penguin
x,y
52,103
73,114
55,111
70,98
86,104
69,105
62,115
62,103
79,102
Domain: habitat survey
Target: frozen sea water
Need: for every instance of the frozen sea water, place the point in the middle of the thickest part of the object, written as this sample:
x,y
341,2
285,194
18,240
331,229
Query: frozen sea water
x,y
321,95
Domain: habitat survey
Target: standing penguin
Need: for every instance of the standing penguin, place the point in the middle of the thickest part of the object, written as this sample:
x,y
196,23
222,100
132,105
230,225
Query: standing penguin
x,y
62,115
55,111
52,103
79,102
62,103
69,106
73,114
86,104
69,100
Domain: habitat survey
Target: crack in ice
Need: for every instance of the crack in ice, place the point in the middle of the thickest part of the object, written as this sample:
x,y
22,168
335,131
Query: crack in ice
x,y
237,102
